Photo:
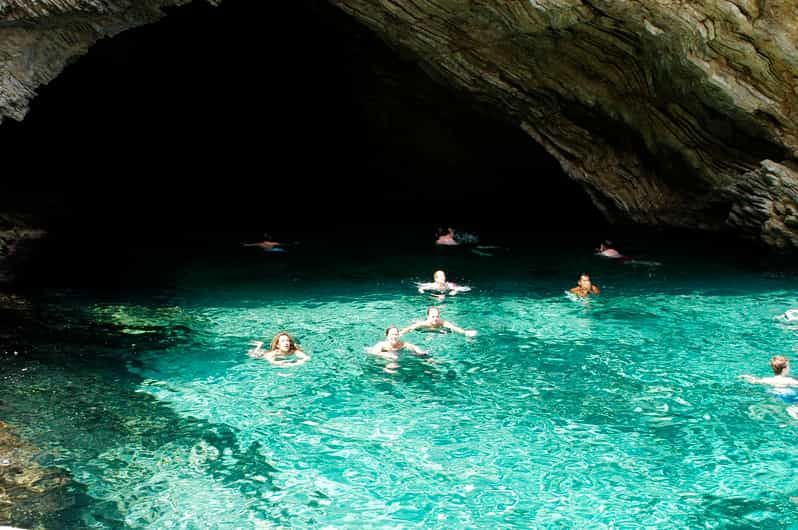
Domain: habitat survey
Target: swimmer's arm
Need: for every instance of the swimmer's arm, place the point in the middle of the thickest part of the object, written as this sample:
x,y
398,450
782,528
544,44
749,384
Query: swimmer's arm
x,y
415,349
376,349
454,289
595,290
411,327
256,352
262,244
300,357
458,329
751,379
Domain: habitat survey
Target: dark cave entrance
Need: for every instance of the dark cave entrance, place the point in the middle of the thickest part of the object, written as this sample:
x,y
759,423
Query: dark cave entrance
x,y
254,115
218,124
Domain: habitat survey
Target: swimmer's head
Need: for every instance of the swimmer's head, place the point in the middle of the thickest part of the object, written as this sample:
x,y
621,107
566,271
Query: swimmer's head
x,y
283,342
434,315
392,335
439,277
584,281
780,365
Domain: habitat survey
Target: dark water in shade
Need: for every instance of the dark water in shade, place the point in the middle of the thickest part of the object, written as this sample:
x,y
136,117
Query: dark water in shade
x,y
623,411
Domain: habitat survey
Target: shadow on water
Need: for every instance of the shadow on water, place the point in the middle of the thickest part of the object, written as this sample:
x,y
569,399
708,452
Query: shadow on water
x,y
78,366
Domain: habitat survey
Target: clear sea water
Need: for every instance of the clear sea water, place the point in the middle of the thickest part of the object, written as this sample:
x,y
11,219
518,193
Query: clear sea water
x,y
622,411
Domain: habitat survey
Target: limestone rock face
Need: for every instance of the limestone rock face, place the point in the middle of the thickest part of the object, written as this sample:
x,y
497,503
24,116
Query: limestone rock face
x,y
38,38
668,112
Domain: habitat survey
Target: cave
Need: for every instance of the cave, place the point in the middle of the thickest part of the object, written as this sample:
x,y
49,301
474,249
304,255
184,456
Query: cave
x,y
204,120
129,385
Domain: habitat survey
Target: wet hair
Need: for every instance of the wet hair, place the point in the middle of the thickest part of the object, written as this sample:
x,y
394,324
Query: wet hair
x,y
779,363
585,275
389,328
292,343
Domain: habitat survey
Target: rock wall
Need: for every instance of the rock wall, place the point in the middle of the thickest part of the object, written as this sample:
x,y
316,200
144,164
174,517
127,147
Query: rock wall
x,y
669,113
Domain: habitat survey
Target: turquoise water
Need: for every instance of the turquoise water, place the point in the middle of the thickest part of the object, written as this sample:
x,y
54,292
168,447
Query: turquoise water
x,y
624,411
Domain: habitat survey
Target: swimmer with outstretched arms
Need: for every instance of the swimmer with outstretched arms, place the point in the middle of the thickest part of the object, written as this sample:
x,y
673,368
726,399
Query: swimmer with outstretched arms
x,y
282,352
435,322
781,374
390,347
782,384
268,246
392,344
442,286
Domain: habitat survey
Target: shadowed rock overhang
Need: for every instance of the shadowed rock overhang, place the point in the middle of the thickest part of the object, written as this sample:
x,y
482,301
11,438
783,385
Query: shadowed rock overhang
x,y
667,113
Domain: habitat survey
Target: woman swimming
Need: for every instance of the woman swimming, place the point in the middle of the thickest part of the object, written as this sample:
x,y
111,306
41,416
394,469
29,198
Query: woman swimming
x,y
282,352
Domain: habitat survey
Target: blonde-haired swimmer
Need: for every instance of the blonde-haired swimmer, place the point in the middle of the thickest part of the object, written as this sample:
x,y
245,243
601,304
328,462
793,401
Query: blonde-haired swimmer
x,y
282,352
442,286
783,385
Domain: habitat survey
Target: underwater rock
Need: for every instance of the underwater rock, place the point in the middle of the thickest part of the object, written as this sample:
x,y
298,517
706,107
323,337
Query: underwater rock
x,y
30,494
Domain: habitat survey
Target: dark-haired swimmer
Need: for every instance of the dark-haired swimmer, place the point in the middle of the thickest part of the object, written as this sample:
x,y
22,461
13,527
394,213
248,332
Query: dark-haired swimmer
x,y
435,322
392,344
585,287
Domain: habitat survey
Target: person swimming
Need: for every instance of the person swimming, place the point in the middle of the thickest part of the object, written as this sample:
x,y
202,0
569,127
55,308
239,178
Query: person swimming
x,y
605,250
266,245
781,374
435,322
585,287
392,344
783,385
791,315
441,286
282,352
390,347
451,237
446,238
